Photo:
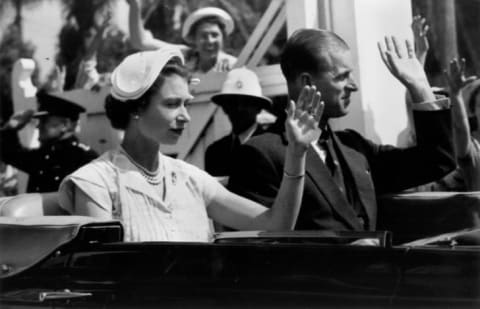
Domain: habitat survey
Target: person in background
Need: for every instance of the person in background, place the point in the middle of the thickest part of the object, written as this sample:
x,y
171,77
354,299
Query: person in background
x,y
87,75
60,153
8,180
204,30
344,170
420,30
463,92
466,177
159,198
242,100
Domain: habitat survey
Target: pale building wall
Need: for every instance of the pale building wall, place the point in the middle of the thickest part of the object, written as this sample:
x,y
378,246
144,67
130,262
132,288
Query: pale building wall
x,y
363,23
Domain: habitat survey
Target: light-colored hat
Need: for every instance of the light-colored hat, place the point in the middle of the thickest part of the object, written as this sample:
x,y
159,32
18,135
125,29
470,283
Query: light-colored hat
x,y
137,72
244,83
202,13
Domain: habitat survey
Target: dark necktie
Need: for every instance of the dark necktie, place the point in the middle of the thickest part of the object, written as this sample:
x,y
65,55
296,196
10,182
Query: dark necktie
x,y
333,164
331,161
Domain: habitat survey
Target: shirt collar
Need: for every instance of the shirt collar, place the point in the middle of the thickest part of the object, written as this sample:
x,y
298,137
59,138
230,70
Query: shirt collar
x,y
245,135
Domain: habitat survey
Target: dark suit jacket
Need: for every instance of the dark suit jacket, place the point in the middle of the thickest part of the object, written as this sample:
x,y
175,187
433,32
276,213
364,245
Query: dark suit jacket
x,y
375,169
220,155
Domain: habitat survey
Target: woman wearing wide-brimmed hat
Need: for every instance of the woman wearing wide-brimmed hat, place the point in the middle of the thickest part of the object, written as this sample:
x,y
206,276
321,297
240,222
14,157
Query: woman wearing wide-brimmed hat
x,y
204,31
157,197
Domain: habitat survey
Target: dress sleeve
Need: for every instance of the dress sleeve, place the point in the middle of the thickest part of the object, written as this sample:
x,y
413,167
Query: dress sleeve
x,y
209,186
94,181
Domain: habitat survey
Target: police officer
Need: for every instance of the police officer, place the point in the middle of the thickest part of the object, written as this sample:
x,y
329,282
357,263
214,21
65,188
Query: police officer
x,y
242,100
60,153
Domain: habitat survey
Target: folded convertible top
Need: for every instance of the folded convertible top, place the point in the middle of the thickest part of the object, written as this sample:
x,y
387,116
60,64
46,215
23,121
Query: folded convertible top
x,y
26,241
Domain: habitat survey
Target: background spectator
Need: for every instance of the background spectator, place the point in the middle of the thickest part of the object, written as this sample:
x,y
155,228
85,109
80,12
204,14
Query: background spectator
x,y
242,100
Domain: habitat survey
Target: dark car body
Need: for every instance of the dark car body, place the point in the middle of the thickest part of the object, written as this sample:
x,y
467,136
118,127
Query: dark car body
x,y
292,270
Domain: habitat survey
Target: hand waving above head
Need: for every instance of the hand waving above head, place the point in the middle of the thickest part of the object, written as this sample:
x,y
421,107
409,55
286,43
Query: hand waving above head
x,y
303,118
420,30
455,76
402,63
456,80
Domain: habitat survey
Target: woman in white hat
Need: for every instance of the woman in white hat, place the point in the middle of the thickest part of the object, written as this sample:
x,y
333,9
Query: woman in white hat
x,y
204,30
161,198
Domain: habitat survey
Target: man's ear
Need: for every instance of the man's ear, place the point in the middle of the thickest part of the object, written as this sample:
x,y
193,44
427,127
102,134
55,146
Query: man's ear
x,y
68,125
305,79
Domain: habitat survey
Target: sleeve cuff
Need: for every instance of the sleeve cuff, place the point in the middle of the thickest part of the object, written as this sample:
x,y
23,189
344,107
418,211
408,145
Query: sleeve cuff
x,y
439,104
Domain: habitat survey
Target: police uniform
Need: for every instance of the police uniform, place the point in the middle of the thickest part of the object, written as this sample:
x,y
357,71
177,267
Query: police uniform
x,y
52,161
241,88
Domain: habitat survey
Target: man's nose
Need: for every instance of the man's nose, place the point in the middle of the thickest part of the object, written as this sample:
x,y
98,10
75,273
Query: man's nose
x,y
210,38
184,116
352,85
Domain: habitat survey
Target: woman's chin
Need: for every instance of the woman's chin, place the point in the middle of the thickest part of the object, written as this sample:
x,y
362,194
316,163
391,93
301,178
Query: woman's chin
x,y
212,54
171,138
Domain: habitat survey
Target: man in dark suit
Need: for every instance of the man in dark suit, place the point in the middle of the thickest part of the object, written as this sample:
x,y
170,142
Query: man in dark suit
x,y
60,152
345,171
242,100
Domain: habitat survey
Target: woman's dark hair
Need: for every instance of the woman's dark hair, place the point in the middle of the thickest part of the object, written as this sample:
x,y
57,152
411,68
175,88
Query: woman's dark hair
x,y
210,20
118,112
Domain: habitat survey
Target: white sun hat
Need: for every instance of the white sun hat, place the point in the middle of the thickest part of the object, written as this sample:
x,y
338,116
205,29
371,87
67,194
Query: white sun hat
x,y
137,72
242,82
202,13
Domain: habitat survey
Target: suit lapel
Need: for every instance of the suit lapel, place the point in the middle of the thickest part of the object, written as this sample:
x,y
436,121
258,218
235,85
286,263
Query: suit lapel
x,y
361,178
322,179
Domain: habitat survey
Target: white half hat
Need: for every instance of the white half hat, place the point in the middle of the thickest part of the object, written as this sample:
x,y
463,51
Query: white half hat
x,y
137,72
202,13
242,82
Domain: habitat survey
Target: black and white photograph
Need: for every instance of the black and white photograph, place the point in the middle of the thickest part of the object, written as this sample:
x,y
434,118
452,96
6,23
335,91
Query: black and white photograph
x,y
239,154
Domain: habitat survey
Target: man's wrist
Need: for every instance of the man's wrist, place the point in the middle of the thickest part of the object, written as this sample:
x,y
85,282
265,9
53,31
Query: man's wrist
x,y
296,150
421,92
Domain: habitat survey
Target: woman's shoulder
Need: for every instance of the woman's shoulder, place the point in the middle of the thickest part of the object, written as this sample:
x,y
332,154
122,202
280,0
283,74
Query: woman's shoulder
x,y
177,163
185,168
101,166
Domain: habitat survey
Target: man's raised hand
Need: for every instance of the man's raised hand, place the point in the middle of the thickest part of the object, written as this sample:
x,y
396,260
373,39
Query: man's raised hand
x,y
303,117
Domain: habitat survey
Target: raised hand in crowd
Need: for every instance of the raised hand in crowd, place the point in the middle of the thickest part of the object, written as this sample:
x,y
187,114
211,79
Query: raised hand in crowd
x,y
402,63
456,81
87,75
223,66
56,80
455,77
420,30
19,120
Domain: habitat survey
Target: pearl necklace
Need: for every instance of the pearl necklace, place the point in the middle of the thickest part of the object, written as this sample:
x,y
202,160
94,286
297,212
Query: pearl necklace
x,y
152,178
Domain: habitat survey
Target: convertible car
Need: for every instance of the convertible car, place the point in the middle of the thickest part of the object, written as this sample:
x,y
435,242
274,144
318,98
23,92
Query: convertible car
x,y
70,261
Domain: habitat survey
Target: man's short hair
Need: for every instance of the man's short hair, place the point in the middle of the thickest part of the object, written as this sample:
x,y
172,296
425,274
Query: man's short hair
x,y
308,50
